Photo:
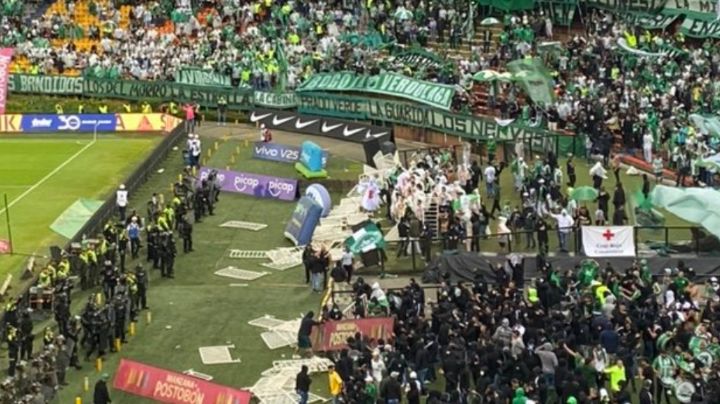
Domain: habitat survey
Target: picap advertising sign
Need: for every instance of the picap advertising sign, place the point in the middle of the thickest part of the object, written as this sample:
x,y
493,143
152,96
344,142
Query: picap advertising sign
x,y
608,241
259,186
333,335
281,153
174,388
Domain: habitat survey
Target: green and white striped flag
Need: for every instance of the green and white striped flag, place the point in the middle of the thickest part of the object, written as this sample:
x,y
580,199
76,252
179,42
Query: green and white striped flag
x,y
368,238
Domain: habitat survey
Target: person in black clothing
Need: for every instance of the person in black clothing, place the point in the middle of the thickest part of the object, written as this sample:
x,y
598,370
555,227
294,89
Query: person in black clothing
x,y
404,233
618,199
645,186
646,396
542,234
307,256
570,168
101,394
306,325
185,229
619,217
602,200
302,384
390,389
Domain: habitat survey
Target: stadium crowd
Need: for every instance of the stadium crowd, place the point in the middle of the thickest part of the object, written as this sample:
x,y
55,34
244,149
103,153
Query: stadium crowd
x,y
589,335
108,317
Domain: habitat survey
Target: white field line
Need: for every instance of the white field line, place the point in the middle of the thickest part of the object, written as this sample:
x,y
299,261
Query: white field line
x,y
47,177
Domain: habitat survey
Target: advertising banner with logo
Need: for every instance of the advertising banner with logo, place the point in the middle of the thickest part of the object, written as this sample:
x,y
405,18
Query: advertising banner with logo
x,y
275,100
259,186
280,152
425,92
11,123
175,388
5,58
153,122
303,221
69,123
608,241
333,335
314,125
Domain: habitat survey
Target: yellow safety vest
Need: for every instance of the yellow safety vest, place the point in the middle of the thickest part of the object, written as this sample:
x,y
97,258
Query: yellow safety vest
x,y
146,108
103,109
81,109
127,108
59,109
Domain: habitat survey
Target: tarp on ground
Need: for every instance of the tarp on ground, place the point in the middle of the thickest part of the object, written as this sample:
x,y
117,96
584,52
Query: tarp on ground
x,y
69,223
696,205
462,266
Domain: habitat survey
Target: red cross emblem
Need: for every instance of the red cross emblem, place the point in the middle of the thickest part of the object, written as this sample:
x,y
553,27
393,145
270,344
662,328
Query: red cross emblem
x,y
608,235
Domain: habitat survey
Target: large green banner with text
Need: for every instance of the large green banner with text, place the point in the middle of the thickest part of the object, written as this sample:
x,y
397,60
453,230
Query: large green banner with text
x,y
130,90
395,85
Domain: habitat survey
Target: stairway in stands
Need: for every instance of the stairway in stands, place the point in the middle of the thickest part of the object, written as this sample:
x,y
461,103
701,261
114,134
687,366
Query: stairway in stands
x,y
432,212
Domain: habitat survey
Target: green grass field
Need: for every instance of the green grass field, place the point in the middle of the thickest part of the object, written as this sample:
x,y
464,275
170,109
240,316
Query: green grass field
x,y
37,198
200,307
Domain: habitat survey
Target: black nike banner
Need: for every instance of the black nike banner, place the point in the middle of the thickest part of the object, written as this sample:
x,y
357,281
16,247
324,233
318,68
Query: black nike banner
x,y
315,125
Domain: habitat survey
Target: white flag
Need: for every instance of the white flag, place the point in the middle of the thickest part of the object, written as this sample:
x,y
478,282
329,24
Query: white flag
x,y
608,241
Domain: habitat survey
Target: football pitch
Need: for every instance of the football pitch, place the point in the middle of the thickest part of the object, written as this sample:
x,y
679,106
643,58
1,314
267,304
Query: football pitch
x,y
42,175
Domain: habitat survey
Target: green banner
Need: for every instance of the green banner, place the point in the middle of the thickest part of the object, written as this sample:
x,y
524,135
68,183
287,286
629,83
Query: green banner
x,y
534,78
508,5
418,58
25,83
144,90
698,28
199,77
424,92
656,21
275,100
333,105
130,90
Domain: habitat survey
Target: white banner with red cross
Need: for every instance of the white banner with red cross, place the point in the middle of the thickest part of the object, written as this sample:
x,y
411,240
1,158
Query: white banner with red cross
x,y
608,241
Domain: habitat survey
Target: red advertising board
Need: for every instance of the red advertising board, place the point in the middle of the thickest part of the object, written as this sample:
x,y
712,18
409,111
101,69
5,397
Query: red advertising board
x,y
333,335
174,388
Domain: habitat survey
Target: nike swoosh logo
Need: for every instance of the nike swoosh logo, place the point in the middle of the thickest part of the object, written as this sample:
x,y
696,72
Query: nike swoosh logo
x,y
277,121
375,135
299,124
255,118
347,132
325,128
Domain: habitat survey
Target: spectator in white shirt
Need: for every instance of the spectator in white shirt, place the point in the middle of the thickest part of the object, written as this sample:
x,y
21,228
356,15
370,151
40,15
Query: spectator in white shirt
x,y
565,223
121,201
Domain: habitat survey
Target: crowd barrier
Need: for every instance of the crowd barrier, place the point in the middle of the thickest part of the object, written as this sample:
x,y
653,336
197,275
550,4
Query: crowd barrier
x,y
663,240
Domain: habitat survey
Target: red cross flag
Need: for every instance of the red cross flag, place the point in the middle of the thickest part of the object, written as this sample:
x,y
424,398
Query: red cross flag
x,y
608,241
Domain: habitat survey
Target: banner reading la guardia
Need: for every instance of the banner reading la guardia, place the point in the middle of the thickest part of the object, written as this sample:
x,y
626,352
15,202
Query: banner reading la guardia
x,y
259,186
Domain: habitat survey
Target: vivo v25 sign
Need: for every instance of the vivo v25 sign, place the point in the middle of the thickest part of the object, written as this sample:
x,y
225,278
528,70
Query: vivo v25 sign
x,y
396,85
280,152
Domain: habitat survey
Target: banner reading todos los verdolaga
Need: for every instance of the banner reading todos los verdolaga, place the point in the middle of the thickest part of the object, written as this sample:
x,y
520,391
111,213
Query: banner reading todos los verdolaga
x,y
174,388
396,85
333,335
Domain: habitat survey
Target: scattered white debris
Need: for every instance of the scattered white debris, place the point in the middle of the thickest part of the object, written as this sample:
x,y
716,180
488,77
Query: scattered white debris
x,y
239,224
196,374
237,273
277,384
216,355
254,254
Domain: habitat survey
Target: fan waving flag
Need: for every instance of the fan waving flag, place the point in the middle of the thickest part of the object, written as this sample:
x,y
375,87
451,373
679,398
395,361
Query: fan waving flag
x,y
365,239
608,241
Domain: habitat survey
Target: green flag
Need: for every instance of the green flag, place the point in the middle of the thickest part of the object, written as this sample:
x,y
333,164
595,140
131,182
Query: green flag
x,y
282,65
368,238
534,79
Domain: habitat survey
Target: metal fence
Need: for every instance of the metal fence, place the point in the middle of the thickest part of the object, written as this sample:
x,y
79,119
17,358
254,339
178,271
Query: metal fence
x,y
662,240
